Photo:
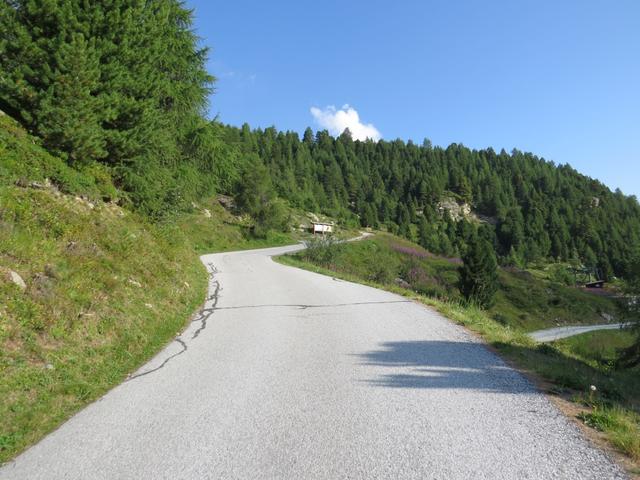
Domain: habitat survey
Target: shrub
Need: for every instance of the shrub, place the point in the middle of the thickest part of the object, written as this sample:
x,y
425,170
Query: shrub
x,y
382,273
321,250
559,274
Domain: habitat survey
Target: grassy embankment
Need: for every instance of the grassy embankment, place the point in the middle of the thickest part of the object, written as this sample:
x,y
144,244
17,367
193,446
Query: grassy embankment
x,y
525,302
223,232
105,289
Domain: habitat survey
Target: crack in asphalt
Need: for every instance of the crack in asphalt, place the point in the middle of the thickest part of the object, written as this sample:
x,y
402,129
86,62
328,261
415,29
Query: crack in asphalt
x,y
166,360
305,306
202,316
205,313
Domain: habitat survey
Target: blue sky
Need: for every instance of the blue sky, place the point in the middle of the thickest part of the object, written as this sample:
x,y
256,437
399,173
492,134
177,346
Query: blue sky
x,y
560,79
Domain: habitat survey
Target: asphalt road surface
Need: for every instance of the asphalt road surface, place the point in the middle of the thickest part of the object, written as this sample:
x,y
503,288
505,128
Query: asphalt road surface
x,y
287,374
552,334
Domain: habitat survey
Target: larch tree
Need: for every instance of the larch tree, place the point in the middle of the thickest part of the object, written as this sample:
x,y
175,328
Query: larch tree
x,y
120,82
479,273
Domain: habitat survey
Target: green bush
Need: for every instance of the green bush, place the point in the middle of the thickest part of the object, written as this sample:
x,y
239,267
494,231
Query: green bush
x,y
382,273
321,250
560,274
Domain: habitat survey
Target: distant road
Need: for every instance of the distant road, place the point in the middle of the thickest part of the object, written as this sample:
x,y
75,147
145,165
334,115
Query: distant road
x,y
552,334
287,374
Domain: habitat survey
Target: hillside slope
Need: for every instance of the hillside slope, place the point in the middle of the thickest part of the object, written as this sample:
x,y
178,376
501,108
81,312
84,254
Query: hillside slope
x,y
532,209
103,290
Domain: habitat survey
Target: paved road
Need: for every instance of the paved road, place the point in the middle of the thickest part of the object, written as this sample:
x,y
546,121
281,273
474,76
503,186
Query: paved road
x,y
288,374
552,334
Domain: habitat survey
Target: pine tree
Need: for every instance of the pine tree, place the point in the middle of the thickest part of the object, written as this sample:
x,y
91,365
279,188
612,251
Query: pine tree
x,y
478,274
542,211
424,237
511,230
256,188
121,82
464,190
50,77
69,112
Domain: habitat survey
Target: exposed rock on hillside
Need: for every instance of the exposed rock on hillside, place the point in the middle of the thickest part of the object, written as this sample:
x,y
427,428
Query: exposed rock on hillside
x,y
456,210
462,210
15,278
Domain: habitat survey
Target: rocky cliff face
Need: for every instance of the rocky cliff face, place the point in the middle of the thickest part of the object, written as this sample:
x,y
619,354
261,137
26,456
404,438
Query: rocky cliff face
x,y
456,210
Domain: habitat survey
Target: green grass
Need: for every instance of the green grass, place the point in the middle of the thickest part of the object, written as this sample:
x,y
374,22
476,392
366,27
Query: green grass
x,y
571,365
23,159
621,426
599,348
524,301
223,231
83,323
106,289
533,303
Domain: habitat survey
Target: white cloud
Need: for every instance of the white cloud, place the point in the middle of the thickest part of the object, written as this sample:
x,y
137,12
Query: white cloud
x,y
336,121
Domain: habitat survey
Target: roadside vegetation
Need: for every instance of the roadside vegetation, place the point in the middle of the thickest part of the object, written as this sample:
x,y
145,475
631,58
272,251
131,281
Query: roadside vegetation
x,y
89,290
103,291
524,302
212,228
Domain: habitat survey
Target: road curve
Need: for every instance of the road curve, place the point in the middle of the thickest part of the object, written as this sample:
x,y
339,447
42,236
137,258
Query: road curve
x,y
558,333
287,374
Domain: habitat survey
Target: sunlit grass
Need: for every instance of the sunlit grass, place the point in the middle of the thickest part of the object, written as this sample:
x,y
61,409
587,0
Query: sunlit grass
x,y
105,291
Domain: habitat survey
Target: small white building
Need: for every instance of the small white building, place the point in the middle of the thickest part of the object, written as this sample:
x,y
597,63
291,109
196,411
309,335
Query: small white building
x,y
321,227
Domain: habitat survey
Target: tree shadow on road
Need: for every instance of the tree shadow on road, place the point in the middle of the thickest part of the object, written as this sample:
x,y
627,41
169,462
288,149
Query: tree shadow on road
x,y
440,365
